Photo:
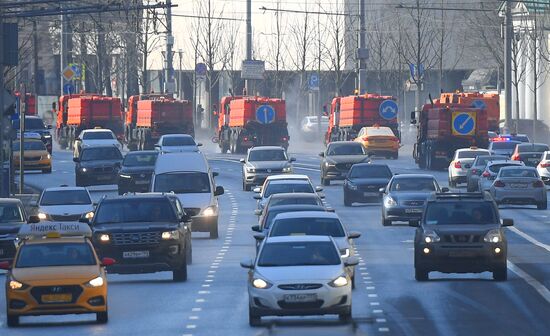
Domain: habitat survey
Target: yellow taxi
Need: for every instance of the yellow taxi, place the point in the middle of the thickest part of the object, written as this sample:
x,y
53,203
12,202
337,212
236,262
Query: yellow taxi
x,y
36,156
379,141
55,271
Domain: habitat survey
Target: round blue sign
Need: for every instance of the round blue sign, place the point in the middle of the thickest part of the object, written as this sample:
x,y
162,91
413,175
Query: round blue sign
x,y
265,114
480,104
388,109
464,124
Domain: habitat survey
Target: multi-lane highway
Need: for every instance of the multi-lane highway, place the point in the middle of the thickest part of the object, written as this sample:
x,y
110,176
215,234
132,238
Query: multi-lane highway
x,y
387,299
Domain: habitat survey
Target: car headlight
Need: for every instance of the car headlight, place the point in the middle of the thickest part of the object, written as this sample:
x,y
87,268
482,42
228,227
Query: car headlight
x,y
125,176
15,285
287,169
209,211
261,283
250,169
431,237
97,282
104,238
340,281
389,201
42,216
167,235
83,169
344,253
328,164
89,215
352,186
47,136
493,236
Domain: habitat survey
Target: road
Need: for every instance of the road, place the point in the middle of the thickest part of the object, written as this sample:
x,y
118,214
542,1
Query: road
x,y
387,300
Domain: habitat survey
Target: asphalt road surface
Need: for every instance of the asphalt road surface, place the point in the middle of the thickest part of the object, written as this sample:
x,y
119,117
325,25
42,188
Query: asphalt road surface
x,y
387,300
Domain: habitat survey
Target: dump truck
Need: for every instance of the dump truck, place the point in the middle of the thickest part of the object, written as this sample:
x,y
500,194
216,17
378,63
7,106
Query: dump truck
x,y
486,101
351,113
152,115
246,122
444,127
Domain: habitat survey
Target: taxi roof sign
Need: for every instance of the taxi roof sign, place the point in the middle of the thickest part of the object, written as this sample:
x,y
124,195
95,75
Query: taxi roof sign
x,y
54,230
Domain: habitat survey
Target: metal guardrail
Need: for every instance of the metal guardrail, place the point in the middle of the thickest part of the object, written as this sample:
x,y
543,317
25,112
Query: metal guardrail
x,y
29,202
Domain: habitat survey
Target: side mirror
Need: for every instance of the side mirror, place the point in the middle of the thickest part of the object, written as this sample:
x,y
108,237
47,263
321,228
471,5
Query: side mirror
x,y
242,160
257,197
292,159
75,159
507,222
257,190
108,261
444,189
382,190
330,210
255,228
157,147
354,235
259,237
414,223
185,217
258,212
199,144
351,261
247,264
413,121
33,219
5,265
219,191
215,174
322,154
413,116
318,189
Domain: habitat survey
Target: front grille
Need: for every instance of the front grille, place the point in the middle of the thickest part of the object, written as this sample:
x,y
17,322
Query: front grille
x,y
65,217
371,187
462,238
300,286
33,158
75,290
301,305
344,166
135,238
192,211
413,203
103,170
269,171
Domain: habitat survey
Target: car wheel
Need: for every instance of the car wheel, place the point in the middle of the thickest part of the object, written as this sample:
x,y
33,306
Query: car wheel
x,y
214,232
501,274
102,317
421,275
452,183
189,251
12,320
180,274
80,181
470,187
325,182
353,281
246,187
345,317
396,156
254,320
542,205
121,192
47,171
347,201
386,222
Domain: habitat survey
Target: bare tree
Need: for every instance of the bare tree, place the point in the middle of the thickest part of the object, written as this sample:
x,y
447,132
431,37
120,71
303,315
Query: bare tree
x,y
275,56
378,42
334,46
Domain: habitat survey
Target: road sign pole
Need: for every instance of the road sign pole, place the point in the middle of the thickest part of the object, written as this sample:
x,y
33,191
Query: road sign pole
x,y
1,106
22,107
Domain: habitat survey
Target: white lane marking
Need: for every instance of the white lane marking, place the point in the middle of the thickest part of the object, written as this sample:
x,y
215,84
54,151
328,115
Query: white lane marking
x,y
539,287
190,326
371,288
200,300
381,320
375,303
529,238
383,329
197,309
377,311
193,317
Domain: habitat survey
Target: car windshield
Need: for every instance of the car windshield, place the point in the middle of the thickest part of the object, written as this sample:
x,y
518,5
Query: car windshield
x,y
414,184
373,171
460,212
287,187
313,200
178,141
134,210
29,145
524,148
182,183
65,197
310,226
31,124
100,153
481,161
470,154
353,148
105,135
272,213
10,213
495,168
139,159
518,172
267,155
504,145
298,254
55,254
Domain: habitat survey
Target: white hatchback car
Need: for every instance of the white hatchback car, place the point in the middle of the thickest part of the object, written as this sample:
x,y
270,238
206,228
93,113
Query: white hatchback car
x,y
96,137
173,143
299,275
64,204
462,161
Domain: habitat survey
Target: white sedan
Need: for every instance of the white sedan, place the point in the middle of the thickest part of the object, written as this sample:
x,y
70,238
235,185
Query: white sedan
x,y
173,143
95,137
64,204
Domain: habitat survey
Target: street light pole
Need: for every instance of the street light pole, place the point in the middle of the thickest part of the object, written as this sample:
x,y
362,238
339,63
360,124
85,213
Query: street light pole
x,y
180,89
508,35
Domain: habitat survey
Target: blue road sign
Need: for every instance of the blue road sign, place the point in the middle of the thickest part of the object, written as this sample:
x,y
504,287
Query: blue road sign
x,y
464,123
313,81
15,116
68,88
200,69
388,109
265,114
480,104
76,68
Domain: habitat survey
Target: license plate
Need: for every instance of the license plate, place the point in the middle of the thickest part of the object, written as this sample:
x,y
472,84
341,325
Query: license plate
x,y
300,297
135,254
57,298
462,254
413,210
370,194
518,185
142,182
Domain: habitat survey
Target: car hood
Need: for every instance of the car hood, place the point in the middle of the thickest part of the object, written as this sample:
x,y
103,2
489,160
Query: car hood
x,y
291,274
269,164
195,200
99,163
410,196
176,149
100,142
370,181
9,228
31,153
141,169
346,158
463,228
59,274
134,227
66,209
341,242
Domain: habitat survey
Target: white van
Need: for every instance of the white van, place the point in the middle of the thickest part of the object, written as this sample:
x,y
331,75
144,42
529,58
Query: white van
x,y
188,175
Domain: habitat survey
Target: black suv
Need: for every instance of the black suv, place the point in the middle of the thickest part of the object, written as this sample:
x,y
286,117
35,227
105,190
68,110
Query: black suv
x,y
12,216
136,171
338,159
460,233
144,233
97,165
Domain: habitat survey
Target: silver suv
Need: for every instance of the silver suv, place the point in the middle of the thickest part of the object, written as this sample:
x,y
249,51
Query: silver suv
x,y
262,162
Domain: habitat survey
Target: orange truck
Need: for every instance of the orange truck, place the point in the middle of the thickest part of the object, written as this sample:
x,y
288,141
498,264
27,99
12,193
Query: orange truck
x,y
245,122
444,127
351,113
150,116
79,112
486,101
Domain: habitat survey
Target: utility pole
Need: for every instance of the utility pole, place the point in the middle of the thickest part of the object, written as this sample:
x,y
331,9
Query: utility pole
x,y
169,67
508,35
2,90
62,49
22,114
35,58
247,82
362,54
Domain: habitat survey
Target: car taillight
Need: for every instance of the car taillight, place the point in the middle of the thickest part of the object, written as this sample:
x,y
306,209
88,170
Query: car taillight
x,y
486,174
245,139
499,184
544,165
515,157
474,171
365,138
538,184
458,164
285,138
